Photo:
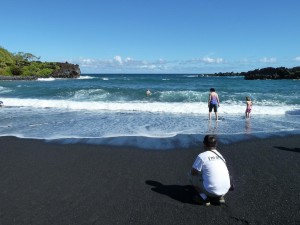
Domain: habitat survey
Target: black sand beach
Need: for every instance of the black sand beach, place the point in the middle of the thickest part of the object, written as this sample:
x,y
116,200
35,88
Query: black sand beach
x,y
46,183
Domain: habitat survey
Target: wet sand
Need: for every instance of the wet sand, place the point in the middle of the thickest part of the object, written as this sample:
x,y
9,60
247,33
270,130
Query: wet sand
x,y
49,183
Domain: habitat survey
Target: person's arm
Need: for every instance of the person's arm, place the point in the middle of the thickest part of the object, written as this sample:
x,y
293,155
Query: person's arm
x,y
218,100
194,172
197,166
209,98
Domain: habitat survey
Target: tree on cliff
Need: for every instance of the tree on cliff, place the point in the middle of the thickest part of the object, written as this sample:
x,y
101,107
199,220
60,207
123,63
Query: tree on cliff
x,y
6,61
25,64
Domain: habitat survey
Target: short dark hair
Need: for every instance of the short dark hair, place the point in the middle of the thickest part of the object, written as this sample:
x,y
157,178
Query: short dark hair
x,y
212,90
210,141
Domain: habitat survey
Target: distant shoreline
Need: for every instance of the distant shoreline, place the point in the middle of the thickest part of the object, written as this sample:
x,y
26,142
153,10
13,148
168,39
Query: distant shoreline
x,y
72,71
268,73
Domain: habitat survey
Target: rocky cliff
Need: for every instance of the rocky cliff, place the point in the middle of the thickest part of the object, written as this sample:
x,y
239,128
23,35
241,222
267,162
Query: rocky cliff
x,y
66,70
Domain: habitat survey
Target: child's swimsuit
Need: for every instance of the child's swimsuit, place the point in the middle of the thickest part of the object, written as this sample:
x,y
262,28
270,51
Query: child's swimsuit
x,y
213,104
214,100
248,109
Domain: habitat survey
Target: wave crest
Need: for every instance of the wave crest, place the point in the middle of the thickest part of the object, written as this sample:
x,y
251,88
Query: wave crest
x,y
154,107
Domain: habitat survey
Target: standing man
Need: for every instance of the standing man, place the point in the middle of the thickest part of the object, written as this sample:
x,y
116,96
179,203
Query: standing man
x,y
213,103
209,174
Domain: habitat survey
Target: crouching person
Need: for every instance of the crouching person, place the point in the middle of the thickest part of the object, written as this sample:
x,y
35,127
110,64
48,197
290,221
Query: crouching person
x,y
209,174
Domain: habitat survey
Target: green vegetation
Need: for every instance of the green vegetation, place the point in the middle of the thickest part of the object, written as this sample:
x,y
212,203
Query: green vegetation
x,y
24,64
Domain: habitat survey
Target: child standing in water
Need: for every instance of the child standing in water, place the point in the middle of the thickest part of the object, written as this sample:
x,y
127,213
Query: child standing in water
x,y
213,103
249,107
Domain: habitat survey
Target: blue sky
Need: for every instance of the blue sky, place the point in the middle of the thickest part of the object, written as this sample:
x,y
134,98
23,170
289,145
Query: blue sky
x,y
155,36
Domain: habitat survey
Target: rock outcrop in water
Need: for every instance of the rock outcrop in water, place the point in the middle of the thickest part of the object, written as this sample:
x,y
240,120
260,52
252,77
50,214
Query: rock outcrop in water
x,y
271,73
66,70
268,73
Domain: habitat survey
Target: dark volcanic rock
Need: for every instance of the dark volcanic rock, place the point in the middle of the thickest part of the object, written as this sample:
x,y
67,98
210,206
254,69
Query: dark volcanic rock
x,y
18,77
66,70
271,73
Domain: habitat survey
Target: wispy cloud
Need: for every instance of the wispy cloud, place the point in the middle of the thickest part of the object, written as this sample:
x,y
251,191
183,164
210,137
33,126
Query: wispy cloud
x,y
118,59
268,60
205,60
117,64
212,60
206,64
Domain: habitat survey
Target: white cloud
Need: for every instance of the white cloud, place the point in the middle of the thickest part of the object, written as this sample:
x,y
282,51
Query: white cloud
x,y
119,64
150,67
118,59
130,63
206,60
297,58
268,60
88,61
85,62
212,60
127,59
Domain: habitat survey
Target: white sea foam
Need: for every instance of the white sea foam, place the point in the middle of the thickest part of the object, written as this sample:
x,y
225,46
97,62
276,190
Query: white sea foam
x,y
191,76
46,79
154,107
4,90
85,77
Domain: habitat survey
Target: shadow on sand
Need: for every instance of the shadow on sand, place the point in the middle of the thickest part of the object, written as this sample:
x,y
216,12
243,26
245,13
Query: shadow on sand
x,y
181,193
288,149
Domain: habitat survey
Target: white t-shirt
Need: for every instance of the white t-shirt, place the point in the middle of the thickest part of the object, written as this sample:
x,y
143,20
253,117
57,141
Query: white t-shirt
x,y
214,172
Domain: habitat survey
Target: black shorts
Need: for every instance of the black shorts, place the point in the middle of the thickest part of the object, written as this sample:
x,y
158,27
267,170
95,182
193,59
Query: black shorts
x,y
213,106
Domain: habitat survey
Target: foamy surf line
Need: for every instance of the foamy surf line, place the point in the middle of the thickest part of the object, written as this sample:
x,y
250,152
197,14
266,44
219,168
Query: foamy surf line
x,y
53,79
180,141
154,107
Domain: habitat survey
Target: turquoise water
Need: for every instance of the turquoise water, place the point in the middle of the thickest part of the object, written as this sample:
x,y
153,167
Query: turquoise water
x,y
114,109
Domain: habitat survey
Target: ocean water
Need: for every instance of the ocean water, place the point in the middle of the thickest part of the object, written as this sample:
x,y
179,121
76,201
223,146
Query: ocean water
x,y
113,109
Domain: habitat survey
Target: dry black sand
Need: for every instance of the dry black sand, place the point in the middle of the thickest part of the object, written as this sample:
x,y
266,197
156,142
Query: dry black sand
x,y
45,183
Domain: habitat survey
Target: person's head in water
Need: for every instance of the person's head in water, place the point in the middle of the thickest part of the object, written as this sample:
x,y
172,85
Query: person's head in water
x,y
210,141
212,90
